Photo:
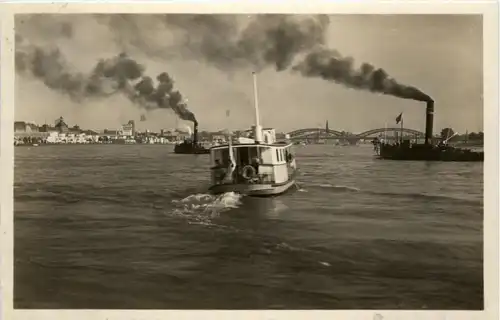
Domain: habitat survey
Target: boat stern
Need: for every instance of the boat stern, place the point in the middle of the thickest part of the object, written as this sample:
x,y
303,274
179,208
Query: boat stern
x,y
256,190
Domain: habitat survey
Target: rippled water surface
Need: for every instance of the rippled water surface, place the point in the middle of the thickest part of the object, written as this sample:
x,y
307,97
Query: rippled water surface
x,y
131,226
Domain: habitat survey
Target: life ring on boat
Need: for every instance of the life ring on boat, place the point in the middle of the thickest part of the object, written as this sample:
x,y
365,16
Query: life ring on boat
x,y
248,172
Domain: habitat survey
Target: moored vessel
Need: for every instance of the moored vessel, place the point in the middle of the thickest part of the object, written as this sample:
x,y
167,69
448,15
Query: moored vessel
x,y
427,151
423,152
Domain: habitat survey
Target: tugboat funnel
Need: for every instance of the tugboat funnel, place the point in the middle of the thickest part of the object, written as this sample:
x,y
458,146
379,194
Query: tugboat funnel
x,y
195,133
429,122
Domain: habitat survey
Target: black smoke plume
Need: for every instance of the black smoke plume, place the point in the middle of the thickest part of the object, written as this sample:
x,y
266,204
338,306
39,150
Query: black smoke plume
x,y
50,67
108,77
329,65
277,40
228,42
269,39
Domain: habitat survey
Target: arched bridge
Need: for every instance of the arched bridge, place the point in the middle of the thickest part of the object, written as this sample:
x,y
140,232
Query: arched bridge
x,y
382,130
312,133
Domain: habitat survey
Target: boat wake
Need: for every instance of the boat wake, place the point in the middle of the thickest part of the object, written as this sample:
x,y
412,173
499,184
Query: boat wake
x,y
330,186
340,187
201,208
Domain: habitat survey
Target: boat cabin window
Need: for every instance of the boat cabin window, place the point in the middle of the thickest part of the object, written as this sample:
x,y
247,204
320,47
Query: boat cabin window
x,y
253,152
280,155
222,155
284,154
244,155
288,154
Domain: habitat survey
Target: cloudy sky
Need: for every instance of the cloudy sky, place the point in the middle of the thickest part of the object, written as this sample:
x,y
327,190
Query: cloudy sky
x,y
439,54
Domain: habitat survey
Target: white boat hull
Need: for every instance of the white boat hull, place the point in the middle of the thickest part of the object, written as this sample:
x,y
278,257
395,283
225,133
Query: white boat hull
x,y
257,190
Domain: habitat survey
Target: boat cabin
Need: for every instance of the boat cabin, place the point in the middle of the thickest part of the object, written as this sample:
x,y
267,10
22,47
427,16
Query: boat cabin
x,y
257,166
253,163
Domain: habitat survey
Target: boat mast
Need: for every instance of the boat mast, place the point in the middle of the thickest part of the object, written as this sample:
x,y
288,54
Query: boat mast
x,y
258,128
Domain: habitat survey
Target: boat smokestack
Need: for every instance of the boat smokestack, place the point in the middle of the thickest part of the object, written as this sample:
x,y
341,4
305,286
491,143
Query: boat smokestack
x,y
429,122
258,128
195,133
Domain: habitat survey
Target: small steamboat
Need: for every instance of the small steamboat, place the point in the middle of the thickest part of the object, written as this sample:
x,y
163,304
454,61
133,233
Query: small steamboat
x,y
191,146
255,166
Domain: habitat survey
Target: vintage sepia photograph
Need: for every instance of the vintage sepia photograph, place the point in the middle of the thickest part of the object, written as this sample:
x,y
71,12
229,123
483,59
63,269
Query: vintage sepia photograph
x,y
248,161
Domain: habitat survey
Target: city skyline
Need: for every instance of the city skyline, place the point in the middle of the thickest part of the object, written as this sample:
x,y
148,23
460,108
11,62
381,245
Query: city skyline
x,y
440,54
187,128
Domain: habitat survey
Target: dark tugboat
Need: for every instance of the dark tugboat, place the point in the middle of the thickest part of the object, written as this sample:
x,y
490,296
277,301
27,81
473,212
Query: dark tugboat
x,y
191,146
427,151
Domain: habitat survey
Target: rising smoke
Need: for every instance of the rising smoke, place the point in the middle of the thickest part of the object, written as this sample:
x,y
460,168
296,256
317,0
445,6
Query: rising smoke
x,y
330,65
284,42
120,74
265,39
278,40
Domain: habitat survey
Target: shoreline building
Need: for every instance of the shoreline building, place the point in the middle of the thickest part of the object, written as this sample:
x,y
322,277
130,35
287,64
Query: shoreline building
x,y
128,129
61,126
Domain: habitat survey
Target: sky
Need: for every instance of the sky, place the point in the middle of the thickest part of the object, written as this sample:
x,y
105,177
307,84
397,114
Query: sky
x,y
441,55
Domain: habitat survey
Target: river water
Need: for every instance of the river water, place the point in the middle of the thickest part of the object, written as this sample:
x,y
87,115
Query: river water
x,y
131,227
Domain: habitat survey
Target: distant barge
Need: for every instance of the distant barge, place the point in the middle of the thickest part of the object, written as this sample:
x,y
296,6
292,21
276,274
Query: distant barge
x,y
427,151
423,152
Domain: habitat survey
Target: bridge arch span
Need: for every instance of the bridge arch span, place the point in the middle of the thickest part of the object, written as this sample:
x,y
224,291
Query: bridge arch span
x,y
308,131
382,130
314,135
